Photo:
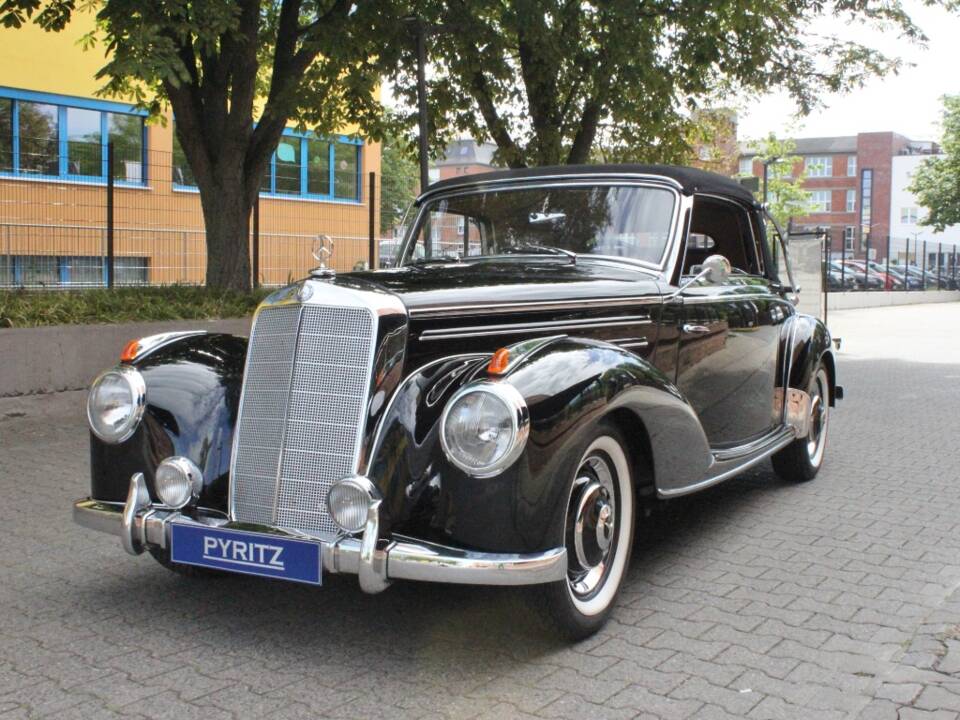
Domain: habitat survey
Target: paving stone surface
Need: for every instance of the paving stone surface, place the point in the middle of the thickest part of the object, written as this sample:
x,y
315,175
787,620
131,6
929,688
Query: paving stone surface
x,y
756,599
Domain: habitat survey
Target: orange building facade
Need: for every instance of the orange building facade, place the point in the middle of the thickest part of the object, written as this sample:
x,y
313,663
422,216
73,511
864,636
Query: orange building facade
x,y
55,171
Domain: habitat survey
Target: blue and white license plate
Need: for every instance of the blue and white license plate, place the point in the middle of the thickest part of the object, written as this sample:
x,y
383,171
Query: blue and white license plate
x,y
247,552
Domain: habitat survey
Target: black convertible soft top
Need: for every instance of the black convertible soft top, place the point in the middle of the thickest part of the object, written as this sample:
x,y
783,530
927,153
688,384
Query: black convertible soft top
x,y
691,180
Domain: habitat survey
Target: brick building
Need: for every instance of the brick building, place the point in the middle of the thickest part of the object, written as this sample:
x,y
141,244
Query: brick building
x,y
851,179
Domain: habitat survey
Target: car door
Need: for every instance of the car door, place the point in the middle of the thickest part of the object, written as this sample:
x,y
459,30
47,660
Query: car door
x,y
729,332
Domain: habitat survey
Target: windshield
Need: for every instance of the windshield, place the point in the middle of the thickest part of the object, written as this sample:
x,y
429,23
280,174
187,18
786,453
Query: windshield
x,y
604,220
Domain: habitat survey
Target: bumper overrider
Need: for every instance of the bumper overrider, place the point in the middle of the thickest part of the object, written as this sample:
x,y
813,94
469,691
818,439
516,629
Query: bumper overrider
x,y
376,561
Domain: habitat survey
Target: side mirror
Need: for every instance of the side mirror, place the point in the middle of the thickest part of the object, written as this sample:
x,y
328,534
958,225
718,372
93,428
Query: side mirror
x,y
715,269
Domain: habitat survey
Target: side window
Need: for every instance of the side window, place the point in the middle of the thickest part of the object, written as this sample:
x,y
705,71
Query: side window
x,y
721,227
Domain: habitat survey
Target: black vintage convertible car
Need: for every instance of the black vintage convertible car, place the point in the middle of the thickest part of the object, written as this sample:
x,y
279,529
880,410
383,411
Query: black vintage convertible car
x,y
555,347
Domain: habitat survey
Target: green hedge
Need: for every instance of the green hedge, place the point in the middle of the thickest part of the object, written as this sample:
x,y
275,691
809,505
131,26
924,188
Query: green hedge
x,y
33,308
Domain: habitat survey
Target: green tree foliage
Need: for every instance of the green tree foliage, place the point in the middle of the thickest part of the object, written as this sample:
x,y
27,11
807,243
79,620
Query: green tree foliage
x,y
786,174
936,182
235,73
549,80
399,180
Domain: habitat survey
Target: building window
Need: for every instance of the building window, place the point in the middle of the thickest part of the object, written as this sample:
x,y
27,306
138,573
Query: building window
x,y
818,166
6,135
346,172
287,166
70,271
746,166
84,157
318,167
821,200
849,237
851,200
301,166
908,215
126,134
51,136
866,202
851,165
37,130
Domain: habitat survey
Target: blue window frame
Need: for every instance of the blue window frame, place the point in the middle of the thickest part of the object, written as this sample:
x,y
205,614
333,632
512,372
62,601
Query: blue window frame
x,y
48,136
70,271
303,166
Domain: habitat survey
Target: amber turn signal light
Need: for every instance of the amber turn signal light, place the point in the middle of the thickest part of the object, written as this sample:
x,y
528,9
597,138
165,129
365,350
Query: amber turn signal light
x,y
499,362
130,351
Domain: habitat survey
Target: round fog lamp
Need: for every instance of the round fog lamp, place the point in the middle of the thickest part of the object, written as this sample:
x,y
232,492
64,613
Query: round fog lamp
x,y
178,482
348,502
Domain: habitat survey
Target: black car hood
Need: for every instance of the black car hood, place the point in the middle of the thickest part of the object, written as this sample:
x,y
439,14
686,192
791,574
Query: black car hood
x,y
460,285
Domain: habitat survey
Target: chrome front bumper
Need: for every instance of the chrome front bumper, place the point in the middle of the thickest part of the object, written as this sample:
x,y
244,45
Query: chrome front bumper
x,y
375,561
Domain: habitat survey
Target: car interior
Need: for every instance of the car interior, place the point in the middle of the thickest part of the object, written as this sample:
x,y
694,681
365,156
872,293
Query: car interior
x,y
720,227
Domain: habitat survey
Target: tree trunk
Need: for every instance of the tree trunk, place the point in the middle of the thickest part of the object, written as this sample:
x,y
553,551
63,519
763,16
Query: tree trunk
x,y
226,214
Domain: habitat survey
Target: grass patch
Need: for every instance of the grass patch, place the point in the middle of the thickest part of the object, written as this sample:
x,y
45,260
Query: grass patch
x,y
33,308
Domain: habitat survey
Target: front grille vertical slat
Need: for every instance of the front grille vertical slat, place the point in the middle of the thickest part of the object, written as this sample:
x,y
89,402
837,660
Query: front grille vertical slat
x,y
302,413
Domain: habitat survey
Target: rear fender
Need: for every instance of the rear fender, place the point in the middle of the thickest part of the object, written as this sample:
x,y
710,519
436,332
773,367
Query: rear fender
x,y
805,345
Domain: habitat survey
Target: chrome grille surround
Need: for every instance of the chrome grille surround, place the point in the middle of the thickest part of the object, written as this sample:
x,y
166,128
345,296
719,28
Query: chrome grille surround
x,y
303,407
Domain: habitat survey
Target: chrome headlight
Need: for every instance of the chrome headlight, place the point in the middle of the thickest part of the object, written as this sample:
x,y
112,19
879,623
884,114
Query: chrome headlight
x,y
178,481
484,428
116,403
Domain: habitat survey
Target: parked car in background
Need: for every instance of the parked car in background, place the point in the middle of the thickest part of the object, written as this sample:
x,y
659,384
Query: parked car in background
x,y
555,348
870,281
887,282
837,280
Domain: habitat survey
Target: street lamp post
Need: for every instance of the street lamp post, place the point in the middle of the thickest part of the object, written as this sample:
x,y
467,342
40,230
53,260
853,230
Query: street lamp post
x,y
422,118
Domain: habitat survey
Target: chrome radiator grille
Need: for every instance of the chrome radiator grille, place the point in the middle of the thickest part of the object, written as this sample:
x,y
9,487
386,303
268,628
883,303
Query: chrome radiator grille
x,y
302,412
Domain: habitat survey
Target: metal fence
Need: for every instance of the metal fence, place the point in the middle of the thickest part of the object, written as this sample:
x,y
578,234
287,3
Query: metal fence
x,y
891,264
105,219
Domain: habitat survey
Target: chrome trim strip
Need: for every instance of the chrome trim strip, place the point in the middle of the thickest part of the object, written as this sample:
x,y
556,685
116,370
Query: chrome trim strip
x,y
733,453
377,562
539,179
510,329
702,299
587,303
785,437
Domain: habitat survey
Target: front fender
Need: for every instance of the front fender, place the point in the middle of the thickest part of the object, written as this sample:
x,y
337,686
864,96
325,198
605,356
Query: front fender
x,y
568,384
193,392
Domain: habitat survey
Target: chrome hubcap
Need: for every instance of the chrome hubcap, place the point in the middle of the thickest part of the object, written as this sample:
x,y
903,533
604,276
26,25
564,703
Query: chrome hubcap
x,y
818,420
591,526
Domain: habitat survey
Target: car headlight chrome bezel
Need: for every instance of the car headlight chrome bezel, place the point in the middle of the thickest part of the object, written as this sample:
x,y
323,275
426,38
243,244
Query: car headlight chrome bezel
x,y
137,388
513,404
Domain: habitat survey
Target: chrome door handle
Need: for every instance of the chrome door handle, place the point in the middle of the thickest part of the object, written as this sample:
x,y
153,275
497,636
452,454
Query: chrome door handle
x,y
696,329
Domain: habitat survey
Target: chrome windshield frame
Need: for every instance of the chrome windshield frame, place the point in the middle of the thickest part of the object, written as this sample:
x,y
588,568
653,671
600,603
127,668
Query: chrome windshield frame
x,y
576,181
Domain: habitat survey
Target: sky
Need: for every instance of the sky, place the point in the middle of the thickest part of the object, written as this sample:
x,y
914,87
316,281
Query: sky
x,y
907,103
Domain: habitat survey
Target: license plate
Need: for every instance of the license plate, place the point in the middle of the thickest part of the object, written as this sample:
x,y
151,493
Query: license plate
x,y
247,552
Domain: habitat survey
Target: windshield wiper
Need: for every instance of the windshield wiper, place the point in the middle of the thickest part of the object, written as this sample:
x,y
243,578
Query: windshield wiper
x,y
436,259
533,249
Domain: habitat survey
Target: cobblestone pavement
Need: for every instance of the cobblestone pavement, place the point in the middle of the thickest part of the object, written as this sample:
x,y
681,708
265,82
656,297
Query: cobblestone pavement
x,y
757,599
